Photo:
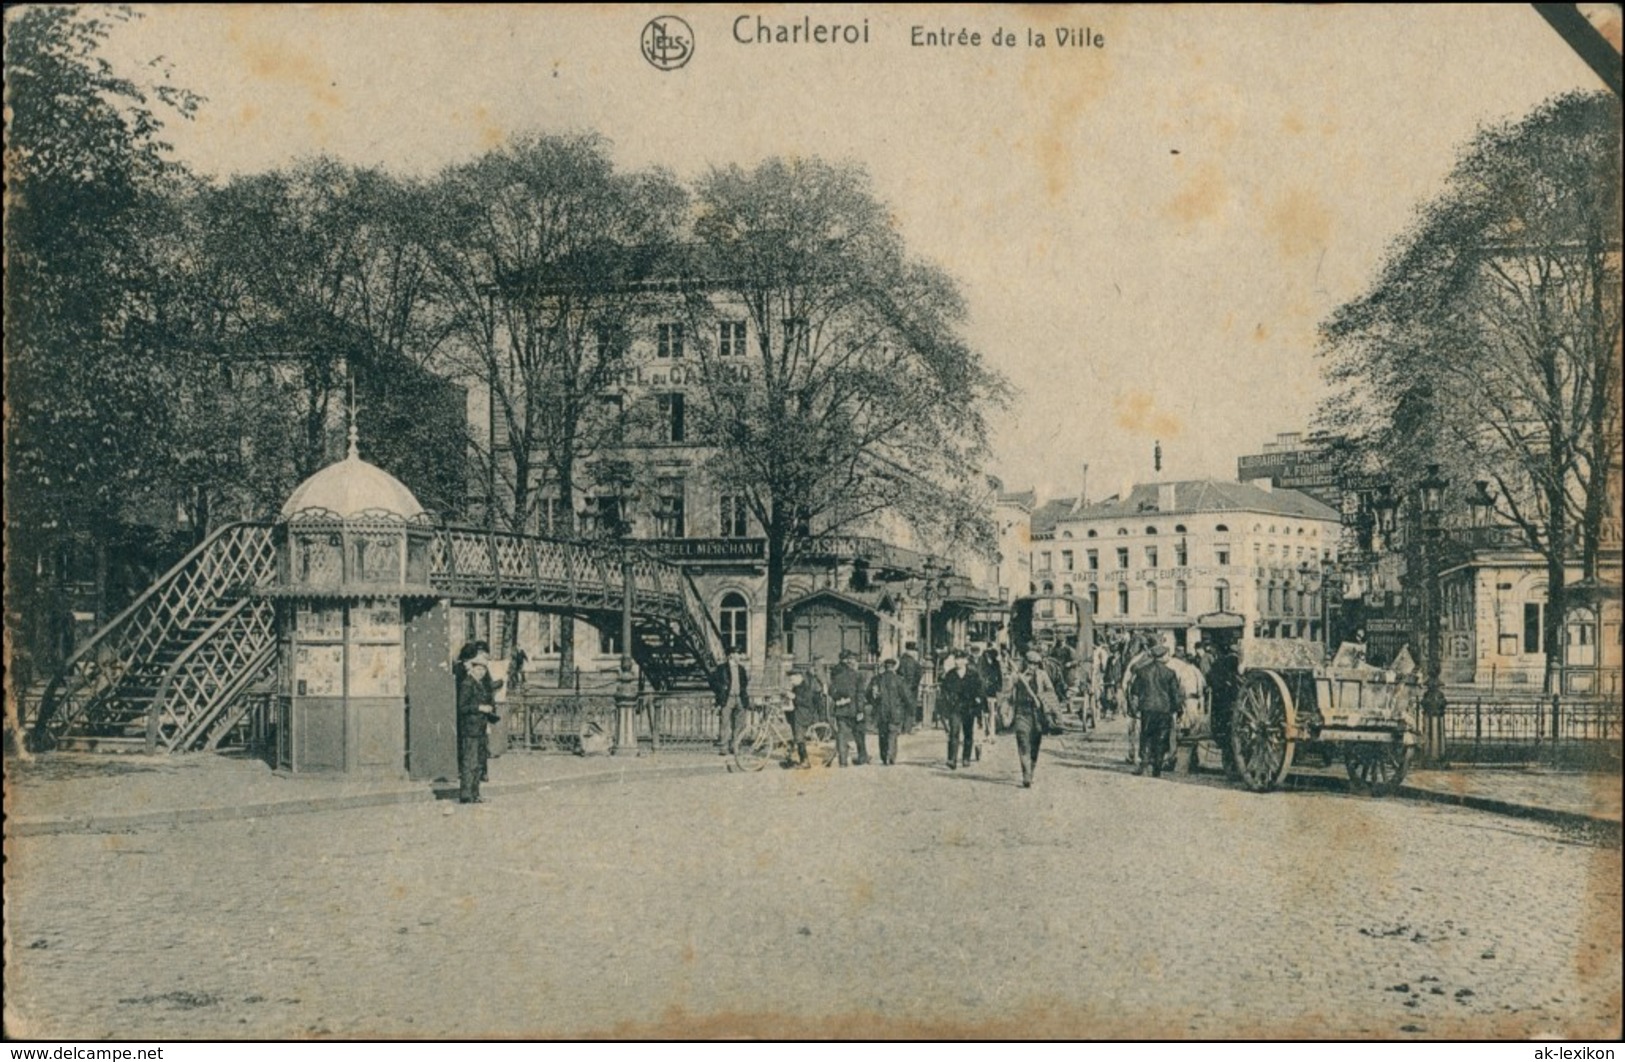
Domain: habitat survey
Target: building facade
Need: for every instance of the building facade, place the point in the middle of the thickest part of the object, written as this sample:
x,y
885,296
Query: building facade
x,y
867,585
1157,558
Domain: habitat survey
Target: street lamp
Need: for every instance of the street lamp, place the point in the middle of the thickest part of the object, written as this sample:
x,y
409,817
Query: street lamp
x,y
626,685
1431,491
936,587
1387,509
1482,503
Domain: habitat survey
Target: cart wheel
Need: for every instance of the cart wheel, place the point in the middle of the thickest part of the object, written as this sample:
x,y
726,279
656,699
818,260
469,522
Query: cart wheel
x,y
755,748
1259,731
1378,769
820,738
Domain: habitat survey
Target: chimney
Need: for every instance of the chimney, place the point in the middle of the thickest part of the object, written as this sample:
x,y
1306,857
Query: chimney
x,y
1083,490
1156,458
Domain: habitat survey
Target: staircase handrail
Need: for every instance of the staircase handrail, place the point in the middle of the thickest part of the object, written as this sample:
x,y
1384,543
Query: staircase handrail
x,y
174,670
117,623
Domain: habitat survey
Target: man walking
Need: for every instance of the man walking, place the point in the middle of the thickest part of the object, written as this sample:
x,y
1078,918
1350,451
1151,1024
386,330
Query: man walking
x,y
731,685
888,702
846,693
909,670
960,701
1155,698
1033,699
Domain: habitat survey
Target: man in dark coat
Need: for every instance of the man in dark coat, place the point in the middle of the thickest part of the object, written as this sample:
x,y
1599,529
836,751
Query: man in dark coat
x,y
1223,683
888,703
846,695
474,713
909,670
730,682
960,702
804,709
1032,699
1155,697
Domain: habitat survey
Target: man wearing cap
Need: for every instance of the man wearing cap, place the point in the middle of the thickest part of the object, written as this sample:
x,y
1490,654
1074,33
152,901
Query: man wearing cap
x,y
1032,697
888,703
803,713
474,713
960,701
846,694
1155,697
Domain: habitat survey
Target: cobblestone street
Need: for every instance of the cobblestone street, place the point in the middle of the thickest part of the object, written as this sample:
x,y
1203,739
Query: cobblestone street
x,y
901,901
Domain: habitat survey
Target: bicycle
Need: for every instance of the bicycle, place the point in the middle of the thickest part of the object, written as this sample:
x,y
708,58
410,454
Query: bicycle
x,y
767,738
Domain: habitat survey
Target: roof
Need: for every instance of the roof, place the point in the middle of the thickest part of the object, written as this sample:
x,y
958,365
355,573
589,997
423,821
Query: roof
x,y
1203,496
1046,516
1024,498
353,487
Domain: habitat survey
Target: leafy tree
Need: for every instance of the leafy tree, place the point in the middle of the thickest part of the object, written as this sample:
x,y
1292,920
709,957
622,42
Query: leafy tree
x,y
87,177
312,278
857,400
1490,342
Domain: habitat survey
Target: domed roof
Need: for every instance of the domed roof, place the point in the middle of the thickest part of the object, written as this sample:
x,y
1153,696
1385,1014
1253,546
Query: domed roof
x,y
353,487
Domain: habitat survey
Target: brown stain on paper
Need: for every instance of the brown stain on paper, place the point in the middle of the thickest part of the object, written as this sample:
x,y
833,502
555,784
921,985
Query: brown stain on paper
x,y
1137,412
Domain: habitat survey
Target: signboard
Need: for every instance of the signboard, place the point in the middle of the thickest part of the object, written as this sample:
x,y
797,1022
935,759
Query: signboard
x,y
709,549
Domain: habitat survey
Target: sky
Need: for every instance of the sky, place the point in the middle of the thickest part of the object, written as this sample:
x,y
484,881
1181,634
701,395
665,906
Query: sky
x,y
1147,232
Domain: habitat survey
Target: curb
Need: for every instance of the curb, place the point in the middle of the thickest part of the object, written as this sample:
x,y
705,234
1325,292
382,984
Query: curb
x,y
115,823
1493,805
1556,816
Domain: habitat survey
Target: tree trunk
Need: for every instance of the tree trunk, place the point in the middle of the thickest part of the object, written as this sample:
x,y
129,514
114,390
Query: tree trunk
x,y
567,624
1552,622
777,541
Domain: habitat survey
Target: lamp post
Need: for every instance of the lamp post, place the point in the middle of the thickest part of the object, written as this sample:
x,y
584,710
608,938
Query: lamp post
x,y
1431,491
626,685
935,586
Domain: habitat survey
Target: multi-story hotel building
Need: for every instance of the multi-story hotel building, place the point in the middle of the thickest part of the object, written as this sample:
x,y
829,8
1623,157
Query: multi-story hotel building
x,y
1163,554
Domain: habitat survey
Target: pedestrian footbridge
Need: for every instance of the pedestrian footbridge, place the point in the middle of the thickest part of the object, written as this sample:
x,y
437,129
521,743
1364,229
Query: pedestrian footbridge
x,y
172,672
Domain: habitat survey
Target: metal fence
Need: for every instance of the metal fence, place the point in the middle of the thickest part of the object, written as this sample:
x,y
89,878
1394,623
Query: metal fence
x,y
1565,731
567,721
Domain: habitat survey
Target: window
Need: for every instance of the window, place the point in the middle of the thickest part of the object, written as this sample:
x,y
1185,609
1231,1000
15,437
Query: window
x,y
1094,560
1094,600
1150,599
1181,598
1181,554
669,509
1221,556
1044,561
669,340
733,619
1274,599
1122,599
795,336
1122,556
731,339
1066,560
1532,628
1221,596
1150,556
735,522
605,515
613,409
556,517
673,410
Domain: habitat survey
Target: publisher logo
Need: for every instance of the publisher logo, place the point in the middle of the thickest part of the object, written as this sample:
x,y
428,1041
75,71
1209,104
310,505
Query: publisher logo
x,y
667,42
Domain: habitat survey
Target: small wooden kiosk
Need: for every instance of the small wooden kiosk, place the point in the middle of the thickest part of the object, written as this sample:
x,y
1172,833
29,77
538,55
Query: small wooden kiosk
x,y
363,639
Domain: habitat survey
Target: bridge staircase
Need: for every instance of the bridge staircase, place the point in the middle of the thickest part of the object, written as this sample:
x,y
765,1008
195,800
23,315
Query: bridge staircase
x,y
170,672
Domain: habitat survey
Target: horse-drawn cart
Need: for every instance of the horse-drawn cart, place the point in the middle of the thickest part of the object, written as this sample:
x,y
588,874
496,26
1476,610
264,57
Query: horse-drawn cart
x,y
1290,705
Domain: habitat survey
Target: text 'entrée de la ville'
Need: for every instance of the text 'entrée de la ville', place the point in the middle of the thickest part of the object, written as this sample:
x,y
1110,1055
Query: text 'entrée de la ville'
x,y
754,29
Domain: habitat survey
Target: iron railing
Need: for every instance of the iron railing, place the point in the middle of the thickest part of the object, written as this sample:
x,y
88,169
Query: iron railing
x,y
1560,730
